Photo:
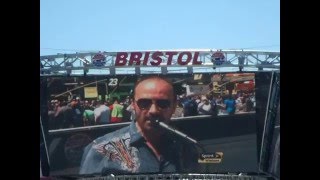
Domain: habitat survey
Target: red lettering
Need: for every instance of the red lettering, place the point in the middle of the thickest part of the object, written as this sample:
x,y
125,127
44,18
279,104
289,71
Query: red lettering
x,y
135,56
170,55
146,58
121,59
188,58
195,58
155,56
184,58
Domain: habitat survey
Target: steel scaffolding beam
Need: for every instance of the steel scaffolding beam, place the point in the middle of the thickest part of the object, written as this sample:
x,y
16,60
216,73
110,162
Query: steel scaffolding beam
x,y
232,61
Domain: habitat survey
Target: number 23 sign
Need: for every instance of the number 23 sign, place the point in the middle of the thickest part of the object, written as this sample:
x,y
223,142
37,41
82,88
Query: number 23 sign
x,y
113,82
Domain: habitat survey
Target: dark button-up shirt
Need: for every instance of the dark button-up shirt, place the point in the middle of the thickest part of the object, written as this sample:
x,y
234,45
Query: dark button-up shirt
x,y
125,151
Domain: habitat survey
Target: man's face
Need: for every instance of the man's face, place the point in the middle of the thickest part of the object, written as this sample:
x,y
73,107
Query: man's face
x,y
153,99
74,103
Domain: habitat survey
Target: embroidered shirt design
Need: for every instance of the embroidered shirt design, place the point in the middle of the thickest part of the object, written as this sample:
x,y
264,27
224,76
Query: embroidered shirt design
x,y
118,150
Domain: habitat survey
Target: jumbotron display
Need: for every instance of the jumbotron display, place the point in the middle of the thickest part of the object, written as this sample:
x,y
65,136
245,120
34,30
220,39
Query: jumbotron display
x,y
151,124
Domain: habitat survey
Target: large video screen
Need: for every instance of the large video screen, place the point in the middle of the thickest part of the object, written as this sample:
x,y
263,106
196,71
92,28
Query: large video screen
x,y
141,124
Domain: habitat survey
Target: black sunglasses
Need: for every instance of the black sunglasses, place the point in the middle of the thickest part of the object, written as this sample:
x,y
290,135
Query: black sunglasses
x,y
144,104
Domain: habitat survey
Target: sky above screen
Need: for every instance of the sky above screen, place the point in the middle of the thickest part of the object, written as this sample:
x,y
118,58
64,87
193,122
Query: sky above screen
x,y
117,25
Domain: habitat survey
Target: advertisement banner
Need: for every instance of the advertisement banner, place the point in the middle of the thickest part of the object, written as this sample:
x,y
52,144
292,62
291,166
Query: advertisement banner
x,y
90,92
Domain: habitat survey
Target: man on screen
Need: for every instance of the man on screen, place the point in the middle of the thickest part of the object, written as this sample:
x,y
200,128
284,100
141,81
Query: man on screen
x,y
143,146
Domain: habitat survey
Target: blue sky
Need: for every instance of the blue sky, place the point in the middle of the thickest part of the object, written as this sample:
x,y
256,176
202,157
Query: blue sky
x,y
69,26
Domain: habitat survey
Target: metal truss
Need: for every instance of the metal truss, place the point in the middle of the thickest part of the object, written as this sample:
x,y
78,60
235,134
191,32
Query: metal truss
x,y
229,61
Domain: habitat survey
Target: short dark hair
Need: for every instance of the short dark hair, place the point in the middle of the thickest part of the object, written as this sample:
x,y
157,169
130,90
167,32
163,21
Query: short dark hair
x,y
144,78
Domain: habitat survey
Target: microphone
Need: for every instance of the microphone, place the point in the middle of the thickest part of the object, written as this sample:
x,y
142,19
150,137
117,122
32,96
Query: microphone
x,y
179,134
176,132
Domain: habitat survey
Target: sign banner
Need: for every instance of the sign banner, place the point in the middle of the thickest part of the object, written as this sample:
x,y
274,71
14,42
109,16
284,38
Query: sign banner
x,y
197,89
90,92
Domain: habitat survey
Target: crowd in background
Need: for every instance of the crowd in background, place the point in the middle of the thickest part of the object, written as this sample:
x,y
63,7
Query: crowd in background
x,y
79,113
215,104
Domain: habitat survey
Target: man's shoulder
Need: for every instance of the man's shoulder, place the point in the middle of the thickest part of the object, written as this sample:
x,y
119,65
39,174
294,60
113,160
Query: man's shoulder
x,y
65,108
109,141
117,106
98,110
104,107
109,151
122,133
190,102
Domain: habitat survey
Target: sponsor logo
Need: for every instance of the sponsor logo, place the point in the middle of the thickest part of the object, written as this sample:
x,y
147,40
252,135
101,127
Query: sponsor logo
x,y
218,58
99,60
215,157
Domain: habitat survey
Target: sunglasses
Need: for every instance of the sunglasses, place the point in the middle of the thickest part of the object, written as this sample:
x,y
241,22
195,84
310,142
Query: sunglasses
x,y
144,104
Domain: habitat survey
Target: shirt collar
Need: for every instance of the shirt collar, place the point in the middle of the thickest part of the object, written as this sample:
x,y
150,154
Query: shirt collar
x,y
134,134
